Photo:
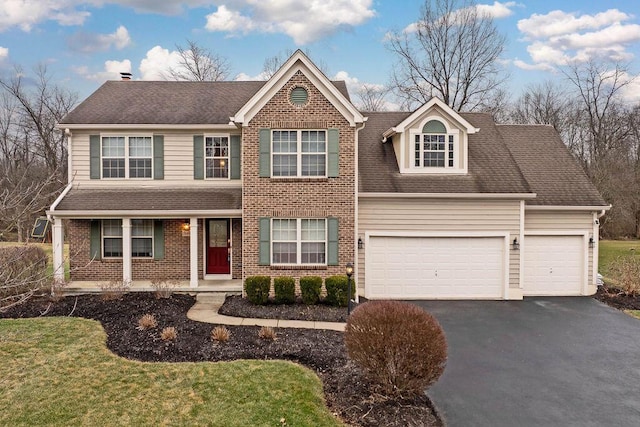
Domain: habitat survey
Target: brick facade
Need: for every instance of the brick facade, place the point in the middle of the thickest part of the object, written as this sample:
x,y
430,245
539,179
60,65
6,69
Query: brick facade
x,y
175,264
297,198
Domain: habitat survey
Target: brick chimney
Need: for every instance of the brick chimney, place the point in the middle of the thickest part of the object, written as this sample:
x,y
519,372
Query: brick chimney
x,y
125,76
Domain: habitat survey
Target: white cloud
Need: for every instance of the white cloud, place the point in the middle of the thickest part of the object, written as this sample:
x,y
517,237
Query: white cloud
x,y
157,63
304,21
631,91
497,10
91,42
532,67
246,77
112,70
355,86
4,53
25,14
559,37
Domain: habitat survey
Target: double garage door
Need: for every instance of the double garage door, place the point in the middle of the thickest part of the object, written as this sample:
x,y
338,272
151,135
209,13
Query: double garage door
x,y
435,267
402,267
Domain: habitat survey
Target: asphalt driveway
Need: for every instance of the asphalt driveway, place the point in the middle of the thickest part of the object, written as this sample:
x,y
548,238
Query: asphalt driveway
x,y
559,361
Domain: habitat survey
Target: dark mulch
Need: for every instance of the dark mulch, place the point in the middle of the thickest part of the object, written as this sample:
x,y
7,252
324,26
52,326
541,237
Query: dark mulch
x,y
617,299
241,307
347,391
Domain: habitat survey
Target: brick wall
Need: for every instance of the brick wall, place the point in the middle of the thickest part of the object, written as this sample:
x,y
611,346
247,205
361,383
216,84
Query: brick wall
x,y
297,198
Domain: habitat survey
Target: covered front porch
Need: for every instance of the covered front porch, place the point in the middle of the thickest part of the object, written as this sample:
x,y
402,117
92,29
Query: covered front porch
x,y
190,239
231,286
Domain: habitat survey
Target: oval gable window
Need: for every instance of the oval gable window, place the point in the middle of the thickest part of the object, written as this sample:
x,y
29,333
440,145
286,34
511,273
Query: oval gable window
x,y
299,96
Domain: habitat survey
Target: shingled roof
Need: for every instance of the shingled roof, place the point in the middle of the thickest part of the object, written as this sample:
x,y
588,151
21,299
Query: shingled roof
x,y
502,159
167,103
548,166
160,200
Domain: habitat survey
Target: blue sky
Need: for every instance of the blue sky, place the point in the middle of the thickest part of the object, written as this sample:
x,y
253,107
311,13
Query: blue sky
x,y
85,42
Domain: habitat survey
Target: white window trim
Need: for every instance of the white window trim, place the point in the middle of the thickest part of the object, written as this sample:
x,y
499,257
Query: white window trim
x,y
217,135
460,150
299,153
299,242
102,237
126,154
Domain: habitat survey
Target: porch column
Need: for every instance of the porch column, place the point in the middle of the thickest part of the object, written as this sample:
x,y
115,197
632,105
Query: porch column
x,y
193,252
58,250
126,251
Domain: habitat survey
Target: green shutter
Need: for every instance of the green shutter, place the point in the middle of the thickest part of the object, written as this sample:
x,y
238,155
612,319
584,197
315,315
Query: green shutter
x,y
94,156
96,241
332,255
265,241
234,148
265,153
158,239
198,157
158,157
333,151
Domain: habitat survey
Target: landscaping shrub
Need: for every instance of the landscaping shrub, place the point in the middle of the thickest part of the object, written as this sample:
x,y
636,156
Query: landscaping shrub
x,y
401,347
220,334
285,290
337,290
23,271
257,289
169,334
114,290
148,321
267,333
625,270
163,288
310,288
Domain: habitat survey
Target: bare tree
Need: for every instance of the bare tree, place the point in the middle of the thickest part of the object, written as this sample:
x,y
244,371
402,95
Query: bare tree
x,y
452,52
545,103
273,63
198,64
371,97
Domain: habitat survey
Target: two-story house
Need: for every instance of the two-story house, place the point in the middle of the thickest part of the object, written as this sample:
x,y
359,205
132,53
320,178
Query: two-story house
x,y
208,183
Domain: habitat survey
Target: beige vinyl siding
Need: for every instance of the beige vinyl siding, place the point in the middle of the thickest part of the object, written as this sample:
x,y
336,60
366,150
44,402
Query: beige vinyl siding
x,y
556,221
178,161
440,215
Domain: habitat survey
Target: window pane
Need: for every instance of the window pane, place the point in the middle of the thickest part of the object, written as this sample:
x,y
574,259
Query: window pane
x,y
140,146
313,164
284,253
313,253
285,165
113,146
217,168
284,229
313,229
113,247
217,157
313,141
142,247
112,227
113,168
285,141
139,168
141,228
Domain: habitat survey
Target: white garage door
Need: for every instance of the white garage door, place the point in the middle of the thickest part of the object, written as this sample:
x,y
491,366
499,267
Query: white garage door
x,y
430,267
553,265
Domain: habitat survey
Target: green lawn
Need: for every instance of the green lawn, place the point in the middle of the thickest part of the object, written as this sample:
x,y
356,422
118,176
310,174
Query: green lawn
x,y
58,371
48,248
634,313
612,249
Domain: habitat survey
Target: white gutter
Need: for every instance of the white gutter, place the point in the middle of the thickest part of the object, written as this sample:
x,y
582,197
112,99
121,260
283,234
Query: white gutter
x,y
517,196
236,213
602,209
58,200
158,126
67,132
355,210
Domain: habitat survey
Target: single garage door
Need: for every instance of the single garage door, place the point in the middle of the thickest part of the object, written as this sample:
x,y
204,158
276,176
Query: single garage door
x,y
553,265
435,267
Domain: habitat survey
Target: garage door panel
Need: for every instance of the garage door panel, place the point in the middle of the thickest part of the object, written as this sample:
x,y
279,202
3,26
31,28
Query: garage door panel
x,y
435,267
553,265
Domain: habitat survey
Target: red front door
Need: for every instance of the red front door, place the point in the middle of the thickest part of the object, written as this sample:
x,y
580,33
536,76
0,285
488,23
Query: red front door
x,y
218,247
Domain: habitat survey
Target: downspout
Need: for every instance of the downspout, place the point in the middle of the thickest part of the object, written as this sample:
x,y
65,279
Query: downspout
x,y
356,201
69,136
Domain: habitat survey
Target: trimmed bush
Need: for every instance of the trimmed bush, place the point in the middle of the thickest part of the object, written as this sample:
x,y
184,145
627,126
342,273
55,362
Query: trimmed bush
x,y
257,289
285,290
401,347
337,290
310,288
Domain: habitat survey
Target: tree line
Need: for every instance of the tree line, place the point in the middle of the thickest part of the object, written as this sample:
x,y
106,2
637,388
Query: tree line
x,y
453,52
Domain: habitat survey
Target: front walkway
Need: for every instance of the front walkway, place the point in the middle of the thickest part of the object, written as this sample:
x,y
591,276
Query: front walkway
x,y
206,310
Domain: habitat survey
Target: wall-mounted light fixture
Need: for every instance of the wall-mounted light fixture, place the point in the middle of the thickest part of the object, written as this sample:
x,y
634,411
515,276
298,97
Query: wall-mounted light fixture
x,y
360,243
349,271
592,242
515,245
185,226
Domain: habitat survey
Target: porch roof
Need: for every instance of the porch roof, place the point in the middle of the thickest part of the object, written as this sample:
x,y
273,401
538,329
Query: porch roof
x,y
175,202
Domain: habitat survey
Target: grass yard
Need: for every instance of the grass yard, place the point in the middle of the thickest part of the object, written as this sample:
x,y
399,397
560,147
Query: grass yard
x,y
612,249
58,371
634,313
48,248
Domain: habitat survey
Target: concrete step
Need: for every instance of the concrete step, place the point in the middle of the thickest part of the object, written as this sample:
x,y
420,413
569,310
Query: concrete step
x,y
211,297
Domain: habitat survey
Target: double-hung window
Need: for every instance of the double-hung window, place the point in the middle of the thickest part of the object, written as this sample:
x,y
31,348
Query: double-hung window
x,y
141,238
217,156
299,153
127,157
434,147
299,241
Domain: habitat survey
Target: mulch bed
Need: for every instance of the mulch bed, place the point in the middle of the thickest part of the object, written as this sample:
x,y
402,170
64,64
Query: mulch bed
x,y
615,298
347,391
241,307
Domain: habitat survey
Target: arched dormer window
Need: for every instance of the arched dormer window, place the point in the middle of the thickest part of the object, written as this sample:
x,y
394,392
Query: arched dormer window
x,y
434,147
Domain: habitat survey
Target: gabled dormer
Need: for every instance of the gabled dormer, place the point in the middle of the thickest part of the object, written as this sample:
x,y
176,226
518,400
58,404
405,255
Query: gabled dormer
x,y
432,140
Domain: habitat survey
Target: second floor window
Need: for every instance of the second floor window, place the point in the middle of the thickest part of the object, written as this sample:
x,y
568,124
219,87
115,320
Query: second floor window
x,y
127,157
299,153
217,156
434,147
